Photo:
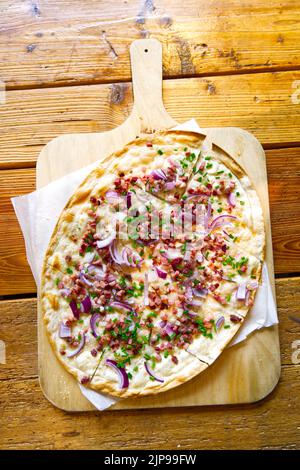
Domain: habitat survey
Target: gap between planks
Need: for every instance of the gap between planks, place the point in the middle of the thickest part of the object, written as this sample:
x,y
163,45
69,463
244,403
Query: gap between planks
x,y
127,80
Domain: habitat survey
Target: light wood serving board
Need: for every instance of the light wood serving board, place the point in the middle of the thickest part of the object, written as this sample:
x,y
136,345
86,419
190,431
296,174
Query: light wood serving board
x,y
244,373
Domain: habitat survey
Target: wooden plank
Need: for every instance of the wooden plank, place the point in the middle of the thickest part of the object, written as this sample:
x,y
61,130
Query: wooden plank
x,y
283,167
259,103
283,176
62,41
24,316
15,274
29,421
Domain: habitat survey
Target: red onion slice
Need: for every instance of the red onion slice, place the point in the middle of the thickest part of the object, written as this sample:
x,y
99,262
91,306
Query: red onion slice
x,y
79,348
137,260
146,290
221,220
86,304
111,278
192,314
187,255
188,197
152,275
64,331
106,241
253,285
162,274
228,238
124,382
200,292
93,323
159,175
129,199
170,185
143,242
174,163
247,298
127,256
171,254
199,257
124,254
231,199
89,257
96,272
229,279
131,258
121,305
114,253
189,293
169,329
196,303
220,322
241,291
150,372
113,196
74,308
65,292
84,279
207,215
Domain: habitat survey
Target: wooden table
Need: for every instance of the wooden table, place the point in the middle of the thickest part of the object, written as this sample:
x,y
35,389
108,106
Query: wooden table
x,y
66,69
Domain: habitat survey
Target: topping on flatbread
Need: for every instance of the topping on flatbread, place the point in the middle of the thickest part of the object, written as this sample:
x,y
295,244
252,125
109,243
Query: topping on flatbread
x,y
151,274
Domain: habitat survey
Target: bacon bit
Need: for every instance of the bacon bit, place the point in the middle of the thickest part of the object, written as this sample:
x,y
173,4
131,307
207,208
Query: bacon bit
x,y
207,323
202,165
94,352
68,258
174,359
230,187
149,144
62,352
220,299
235,319
93,200
85,380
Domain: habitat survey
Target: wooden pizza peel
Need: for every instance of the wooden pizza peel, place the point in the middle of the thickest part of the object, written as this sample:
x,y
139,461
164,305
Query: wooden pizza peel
x,y
243,373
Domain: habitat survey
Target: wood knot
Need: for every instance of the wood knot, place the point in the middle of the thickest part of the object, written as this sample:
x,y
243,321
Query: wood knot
x,y
117,93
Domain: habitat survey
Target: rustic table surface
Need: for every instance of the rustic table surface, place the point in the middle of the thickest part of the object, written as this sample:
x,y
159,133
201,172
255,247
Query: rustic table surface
x,y
65,65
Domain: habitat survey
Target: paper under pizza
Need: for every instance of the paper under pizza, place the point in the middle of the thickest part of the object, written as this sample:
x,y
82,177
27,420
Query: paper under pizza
x,y
153,265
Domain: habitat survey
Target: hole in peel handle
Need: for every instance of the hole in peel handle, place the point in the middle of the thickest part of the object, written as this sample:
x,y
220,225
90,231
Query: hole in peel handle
x,y
146,68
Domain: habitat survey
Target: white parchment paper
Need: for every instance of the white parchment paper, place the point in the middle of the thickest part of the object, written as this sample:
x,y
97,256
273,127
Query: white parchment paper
x,y
38,213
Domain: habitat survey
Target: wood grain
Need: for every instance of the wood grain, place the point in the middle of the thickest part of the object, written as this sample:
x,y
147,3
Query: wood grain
x,y
15,274
283,177
62,42
67,42
259,103
283,167
247,426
